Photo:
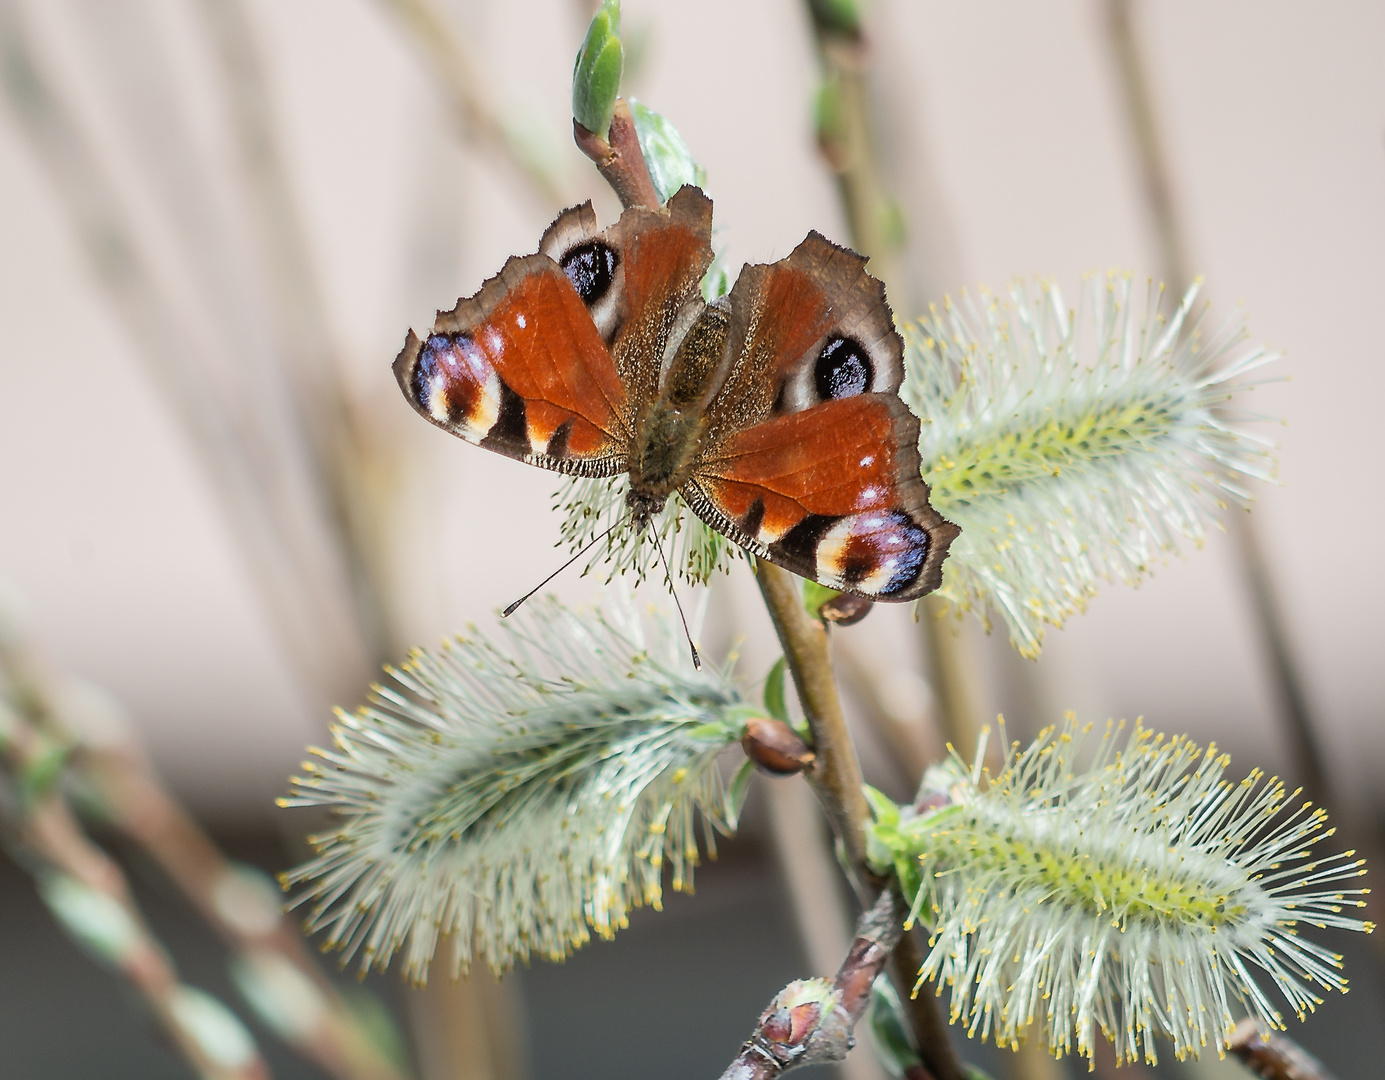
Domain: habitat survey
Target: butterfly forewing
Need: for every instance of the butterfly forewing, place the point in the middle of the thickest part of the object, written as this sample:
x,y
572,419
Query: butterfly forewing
x,y
521,369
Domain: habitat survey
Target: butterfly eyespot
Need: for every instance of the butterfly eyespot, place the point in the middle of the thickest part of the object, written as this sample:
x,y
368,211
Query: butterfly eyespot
x,y
590,267
843,369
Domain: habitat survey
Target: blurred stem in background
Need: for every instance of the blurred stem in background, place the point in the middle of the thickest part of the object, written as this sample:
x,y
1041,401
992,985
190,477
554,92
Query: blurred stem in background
x,y
1297,725
454,68
301,485
88,893
89,747
1165,222
850,145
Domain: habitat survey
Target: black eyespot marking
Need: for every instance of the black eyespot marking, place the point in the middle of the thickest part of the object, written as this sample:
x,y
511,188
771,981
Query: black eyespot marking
x,y
909,542
843,369
800,544
590,267
510,430
754,518
426,373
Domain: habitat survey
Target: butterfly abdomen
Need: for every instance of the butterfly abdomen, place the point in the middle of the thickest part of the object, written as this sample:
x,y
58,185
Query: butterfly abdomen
x,y
670,433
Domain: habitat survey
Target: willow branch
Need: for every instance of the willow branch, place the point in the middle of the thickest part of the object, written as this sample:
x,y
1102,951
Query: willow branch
x,y
619,159
290,549
810,1022
1272,1056
836,774
246,913
51,837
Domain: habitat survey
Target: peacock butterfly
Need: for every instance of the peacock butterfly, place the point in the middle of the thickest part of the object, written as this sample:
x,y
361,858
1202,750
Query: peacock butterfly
x,y
773,411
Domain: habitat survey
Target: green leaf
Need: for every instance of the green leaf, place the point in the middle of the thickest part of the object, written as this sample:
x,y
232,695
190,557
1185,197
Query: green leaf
x,y
815,595
776,704
882,807
889,1029
837,16
735,797
596,74
670,162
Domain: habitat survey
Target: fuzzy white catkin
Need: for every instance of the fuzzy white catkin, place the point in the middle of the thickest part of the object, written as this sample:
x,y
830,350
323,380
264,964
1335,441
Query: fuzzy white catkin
x,y
1073,447
517,793
1142,895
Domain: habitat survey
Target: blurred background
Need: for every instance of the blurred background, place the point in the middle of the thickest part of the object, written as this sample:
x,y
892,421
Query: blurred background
x,y
218,218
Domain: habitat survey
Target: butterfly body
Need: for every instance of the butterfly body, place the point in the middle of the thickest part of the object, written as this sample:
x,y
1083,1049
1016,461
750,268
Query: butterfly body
x,y
773,411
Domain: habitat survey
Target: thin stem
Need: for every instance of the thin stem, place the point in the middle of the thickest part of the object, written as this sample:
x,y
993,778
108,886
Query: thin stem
x,y
619,159
849,148
52,838
798,1029
1272,1056
836,774
836,778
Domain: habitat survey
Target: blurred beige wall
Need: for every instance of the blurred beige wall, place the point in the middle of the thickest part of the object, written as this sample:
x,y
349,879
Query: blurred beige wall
x,y
1009,122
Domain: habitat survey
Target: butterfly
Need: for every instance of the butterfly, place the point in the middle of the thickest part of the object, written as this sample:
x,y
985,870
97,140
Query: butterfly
x,y
773,411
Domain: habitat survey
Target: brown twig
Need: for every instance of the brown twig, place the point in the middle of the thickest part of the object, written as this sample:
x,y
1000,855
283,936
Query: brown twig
x,y
836,778
810,1023
619,159
244,908
51,836
1272,1056
836,774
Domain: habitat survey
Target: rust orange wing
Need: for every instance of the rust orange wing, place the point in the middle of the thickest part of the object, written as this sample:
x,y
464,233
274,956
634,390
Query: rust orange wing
x,y
551,360
521,369
811,459
831,493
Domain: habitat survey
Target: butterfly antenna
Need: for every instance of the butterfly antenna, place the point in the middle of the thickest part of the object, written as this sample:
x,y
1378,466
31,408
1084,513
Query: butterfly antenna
x,y
585,548
696,659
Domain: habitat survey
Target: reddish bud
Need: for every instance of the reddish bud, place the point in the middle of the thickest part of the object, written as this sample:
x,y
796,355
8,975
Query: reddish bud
x,y
774,747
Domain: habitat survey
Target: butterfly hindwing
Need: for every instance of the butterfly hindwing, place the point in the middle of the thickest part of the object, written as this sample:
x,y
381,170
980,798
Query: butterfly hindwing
x,y
832,493
521,369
